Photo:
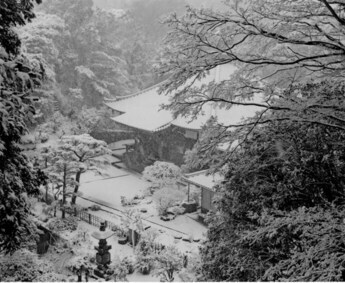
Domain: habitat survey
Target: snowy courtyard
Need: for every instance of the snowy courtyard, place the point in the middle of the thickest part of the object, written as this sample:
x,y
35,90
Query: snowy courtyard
x,y
107,189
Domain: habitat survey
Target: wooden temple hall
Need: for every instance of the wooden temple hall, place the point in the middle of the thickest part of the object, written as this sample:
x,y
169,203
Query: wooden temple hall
x,y
157,134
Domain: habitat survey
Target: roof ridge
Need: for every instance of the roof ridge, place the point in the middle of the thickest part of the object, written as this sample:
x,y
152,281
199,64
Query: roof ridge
x,y
119,98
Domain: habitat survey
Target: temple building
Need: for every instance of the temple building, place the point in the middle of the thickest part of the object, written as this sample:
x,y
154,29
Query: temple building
x,y
160,136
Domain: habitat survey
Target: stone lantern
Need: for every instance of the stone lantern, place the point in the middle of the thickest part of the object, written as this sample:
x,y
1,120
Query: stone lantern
x,y
103,254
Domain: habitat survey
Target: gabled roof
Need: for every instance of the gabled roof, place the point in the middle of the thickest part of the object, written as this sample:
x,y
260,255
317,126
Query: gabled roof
x,y
143,110
203,180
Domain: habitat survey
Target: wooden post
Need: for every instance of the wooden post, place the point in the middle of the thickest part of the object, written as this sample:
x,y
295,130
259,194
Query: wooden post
x,y
188,191
89,218
75,212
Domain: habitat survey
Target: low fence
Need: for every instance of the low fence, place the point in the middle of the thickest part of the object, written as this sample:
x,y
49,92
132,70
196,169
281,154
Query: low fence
x,y
92,219
96,221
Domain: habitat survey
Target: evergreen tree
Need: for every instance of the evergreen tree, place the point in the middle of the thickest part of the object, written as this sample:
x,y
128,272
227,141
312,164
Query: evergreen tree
x,y
18,78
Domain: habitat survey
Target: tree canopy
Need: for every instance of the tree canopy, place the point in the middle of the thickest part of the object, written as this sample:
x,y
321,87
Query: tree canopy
x,y
18,78
278,49
278,211
268,218
12,14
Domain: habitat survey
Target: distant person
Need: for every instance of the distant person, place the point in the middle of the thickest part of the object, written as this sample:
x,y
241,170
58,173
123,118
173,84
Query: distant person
x,y
79,275
87,274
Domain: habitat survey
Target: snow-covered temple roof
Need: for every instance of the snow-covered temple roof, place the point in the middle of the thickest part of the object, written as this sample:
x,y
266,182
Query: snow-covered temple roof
x,y
143,110
201,179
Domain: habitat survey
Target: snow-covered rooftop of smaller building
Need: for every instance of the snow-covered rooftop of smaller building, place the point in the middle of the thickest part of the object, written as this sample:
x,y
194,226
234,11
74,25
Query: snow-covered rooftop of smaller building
x,y
202,179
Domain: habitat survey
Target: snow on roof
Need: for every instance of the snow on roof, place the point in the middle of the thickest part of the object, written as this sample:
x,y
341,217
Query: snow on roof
x,y
224,116
143,110
201,179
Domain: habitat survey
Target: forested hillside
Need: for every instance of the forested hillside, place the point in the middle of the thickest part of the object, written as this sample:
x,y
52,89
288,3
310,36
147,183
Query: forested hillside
x,y
90,53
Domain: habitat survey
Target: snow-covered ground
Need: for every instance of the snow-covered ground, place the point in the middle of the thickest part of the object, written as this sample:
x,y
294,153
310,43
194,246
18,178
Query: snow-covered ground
x,y
111,187
106,190
117,183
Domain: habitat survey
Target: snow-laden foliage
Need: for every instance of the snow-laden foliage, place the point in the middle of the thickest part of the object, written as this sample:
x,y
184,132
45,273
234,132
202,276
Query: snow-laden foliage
x,y
14,13
119,270
79,261
162,174
24,266
72,157
279,211
272,60
132,219
60,167
168,262
307,244
96,51
167,197
18,78
84,71
58,225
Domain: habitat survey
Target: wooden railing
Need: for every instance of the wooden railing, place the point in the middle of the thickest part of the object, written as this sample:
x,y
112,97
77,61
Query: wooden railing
x,y
92,219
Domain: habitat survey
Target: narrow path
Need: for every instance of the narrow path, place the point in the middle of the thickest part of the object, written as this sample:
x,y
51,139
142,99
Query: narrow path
x,y
59,261
114,177
62,261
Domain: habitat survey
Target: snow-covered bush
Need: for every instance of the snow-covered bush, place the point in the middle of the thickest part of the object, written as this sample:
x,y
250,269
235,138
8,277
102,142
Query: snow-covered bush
x,y
27,139
192,270
81,242
44,137
79,261
167,197
177,210
168,261
128,262
58,224
145,252
22,266
162,174
95,207
118,270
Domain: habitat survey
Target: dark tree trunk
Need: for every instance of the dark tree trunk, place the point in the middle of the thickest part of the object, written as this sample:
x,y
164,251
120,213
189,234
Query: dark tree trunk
x,y
47,193
64,185
76,188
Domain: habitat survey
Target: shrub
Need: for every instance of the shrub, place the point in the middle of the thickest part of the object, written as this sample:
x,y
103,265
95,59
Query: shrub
x,y
23,265
129,264
58,224
80,261
146,252
27,140
165,198
167,262
162,174
117,270
177,210
95,207
44,137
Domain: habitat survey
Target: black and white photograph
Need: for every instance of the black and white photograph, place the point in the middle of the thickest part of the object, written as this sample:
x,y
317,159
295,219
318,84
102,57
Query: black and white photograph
x,y
172,140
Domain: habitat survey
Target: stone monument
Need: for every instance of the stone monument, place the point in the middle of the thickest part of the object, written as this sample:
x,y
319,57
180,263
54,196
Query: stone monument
x,y
103,255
